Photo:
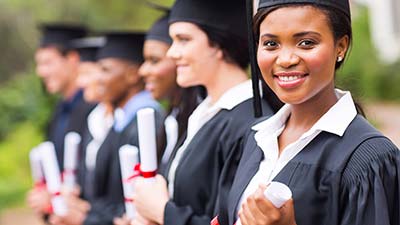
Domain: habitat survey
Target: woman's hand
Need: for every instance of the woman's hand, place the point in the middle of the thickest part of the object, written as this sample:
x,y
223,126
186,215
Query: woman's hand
x,y
124,220
151,197
258,210
39,200
77,210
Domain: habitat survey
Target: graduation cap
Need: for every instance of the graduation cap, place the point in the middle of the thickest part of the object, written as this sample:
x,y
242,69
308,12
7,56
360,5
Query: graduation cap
x,y
159,30
123,45
342,5
60,34
225,15
87,47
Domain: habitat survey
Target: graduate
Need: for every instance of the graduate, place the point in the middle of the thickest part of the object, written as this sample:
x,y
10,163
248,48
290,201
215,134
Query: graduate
x,y
88,68
57,66
210,48
159,73
119,85
339,168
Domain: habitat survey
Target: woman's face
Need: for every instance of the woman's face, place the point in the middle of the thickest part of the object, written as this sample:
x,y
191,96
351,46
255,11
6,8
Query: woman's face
x,y
195,59
159,72
297,53
87,80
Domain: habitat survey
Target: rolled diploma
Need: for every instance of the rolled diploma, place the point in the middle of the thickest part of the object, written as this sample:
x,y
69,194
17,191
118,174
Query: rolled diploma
x,y
71,146
129,158
36,167
53,178
277,193
147,143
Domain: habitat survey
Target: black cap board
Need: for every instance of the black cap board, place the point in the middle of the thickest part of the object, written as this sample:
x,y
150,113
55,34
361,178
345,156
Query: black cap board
x,y
60,34
225,15
87,47
159,30
123,45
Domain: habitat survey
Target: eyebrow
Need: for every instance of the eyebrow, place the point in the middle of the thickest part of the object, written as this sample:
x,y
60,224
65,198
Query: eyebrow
x,y
306,33
301,34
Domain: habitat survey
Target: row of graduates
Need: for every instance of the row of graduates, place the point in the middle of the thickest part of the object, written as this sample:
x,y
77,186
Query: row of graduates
x,y
216,158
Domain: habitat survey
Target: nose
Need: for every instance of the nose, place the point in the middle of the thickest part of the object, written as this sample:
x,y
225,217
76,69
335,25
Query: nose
x,y
287,58
173,52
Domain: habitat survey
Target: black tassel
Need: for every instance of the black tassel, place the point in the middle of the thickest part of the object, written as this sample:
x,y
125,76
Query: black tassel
x,y
253,63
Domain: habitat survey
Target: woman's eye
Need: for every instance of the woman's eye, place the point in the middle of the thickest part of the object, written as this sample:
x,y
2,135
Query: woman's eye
x,y
307,43
270,44
153,60
183,39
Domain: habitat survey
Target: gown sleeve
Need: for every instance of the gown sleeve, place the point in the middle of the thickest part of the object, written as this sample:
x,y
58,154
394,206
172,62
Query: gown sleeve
x,y
370,185
230,152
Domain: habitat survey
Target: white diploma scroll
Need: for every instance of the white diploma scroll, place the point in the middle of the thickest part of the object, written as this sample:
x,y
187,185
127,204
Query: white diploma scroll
x,y
277,193
53,178
36,168
129,160
71,147
147,143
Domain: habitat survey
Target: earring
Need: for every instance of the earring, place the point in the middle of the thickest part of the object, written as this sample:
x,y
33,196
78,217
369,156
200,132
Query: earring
x,y
339,59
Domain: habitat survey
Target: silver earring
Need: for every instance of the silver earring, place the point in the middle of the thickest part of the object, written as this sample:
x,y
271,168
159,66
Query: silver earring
x,y
339,59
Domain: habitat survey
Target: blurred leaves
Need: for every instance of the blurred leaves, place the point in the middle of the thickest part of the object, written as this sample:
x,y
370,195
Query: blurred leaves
x,y
363,73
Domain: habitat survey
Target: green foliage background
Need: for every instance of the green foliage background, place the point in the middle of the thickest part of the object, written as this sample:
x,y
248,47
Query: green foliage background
x,y
25,108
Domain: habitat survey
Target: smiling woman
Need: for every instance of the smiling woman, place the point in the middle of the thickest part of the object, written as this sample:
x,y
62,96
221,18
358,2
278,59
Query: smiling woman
x,y
340,169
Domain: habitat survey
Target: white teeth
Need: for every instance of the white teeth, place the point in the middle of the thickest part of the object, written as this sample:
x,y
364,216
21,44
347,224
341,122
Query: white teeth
x,y
289,78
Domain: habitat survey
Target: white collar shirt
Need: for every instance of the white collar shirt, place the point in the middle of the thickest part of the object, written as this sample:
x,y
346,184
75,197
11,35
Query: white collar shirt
x,y
335,121
202,114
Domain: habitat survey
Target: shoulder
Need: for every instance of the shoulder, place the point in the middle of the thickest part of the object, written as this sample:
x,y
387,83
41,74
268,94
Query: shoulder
x,y
373,157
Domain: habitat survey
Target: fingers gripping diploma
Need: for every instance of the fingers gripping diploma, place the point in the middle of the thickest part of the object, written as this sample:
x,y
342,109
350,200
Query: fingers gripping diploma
x,y
258,210
76,214
151,197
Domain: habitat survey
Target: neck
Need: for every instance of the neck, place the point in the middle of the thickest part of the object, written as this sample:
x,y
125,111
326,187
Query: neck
x,y
305,115
132,91
70,90
226,77
174,99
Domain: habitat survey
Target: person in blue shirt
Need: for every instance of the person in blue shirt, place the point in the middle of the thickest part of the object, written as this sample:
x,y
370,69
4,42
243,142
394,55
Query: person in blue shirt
x,y
57,65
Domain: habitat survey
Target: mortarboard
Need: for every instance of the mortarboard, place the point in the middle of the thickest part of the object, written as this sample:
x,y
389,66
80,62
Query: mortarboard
x,y
342,5
87,47
225,15
60,34
159,30
123,45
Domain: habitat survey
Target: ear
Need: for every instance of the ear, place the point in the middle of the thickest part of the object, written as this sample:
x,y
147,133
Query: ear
x,y
219,54
342,46
73,56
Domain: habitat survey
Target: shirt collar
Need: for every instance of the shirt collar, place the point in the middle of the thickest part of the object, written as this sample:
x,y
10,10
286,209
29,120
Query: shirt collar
x,y
339,116
235,95
99,122
68,105
335,120
123,116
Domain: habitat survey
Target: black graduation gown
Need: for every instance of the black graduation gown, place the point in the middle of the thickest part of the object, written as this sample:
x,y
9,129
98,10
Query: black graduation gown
x,y
213,152
105,194
75,116
349,180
